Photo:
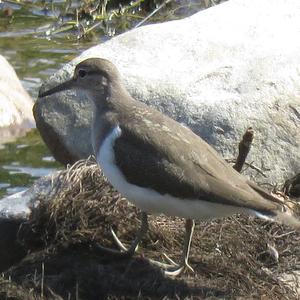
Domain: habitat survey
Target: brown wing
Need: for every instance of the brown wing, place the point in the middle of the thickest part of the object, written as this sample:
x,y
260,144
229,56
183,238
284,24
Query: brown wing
x,y
165,156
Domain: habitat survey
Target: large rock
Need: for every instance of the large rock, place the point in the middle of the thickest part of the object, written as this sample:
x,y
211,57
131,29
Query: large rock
x,y
15,104
226,68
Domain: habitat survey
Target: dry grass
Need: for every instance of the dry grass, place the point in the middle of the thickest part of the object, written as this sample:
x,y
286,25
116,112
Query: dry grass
x,y
232,258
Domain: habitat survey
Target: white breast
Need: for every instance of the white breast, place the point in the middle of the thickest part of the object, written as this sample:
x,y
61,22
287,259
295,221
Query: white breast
x,y
149,200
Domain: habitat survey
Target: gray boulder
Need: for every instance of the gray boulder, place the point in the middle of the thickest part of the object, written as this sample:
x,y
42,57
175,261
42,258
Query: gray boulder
x,y
15,104
219,71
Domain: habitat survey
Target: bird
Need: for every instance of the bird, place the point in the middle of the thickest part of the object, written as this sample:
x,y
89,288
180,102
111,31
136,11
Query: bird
x,y
160,165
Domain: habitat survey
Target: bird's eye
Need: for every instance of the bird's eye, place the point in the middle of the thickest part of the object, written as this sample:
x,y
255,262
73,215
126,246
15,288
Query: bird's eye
x,y
82,73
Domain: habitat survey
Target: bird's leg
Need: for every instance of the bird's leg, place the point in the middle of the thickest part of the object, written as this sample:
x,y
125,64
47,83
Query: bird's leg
x,y
171,269
129,252
189,228
134,245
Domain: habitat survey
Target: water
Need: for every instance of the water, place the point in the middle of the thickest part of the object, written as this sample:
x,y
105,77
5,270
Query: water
x,y
22,161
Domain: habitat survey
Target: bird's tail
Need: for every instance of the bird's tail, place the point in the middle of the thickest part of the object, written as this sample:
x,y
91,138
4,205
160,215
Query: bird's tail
x,y
283,217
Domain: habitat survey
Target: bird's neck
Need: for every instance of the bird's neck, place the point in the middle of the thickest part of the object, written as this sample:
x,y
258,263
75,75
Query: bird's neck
x,y
107,109
110,98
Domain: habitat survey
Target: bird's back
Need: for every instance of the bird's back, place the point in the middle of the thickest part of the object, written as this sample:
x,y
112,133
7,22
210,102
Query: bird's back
x,y
178,162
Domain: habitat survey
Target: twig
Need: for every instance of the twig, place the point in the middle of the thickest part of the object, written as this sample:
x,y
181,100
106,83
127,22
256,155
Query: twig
x,y
250,165
291,186
42,280
257,169
244,147
280,236
152,13
89,29
120,11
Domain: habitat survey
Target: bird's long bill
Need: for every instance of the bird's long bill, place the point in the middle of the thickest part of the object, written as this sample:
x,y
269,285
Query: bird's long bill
x,y
67,85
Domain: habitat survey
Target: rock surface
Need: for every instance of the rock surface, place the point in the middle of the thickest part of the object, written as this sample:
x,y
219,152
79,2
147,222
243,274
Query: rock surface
x,y
226,68
15,104
16,209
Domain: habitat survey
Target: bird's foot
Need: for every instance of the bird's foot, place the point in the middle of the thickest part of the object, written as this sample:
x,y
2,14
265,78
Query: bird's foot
x,y
185,263
161,265
110,251
123,249
179,269
172,269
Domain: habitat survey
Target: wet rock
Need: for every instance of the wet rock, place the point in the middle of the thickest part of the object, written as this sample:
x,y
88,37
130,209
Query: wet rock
x,y
15,210
220,71
15,104
11,251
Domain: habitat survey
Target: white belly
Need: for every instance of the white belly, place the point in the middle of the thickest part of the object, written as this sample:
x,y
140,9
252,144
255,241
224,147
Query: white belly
x,y
148,200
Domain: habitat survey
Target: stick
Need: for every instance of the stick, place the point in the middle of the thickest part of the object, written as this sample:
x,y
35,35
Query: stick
x,y
244,148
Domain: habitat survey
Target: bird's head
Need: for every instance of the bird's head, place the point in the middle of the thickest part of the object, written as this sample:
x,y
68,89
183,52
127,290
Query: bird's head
x,y
93,75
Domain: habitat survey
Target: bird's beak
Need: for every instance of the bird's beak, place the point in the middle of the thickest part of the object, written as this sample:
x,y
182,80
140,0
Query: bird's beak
x,y
67,85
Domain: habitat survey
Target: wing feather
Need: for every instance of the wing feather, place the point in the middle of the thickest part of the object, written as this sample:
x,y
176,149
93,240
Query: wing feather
x,y
172,160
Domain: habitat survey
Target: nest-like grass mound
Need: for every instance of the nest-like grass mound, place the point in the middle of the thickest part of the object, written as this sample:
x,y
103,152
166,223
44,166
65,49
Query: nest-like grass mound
x,y
233,258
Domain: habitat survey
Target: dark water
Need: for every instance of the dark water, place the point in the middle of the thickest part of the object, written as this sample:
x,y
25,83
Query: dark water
x,y
27,43
22,161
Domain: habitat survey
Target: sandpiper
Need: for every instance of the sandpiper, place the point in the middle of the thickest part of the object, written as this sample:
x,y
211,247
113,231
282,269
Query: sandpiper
x,y
160,165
